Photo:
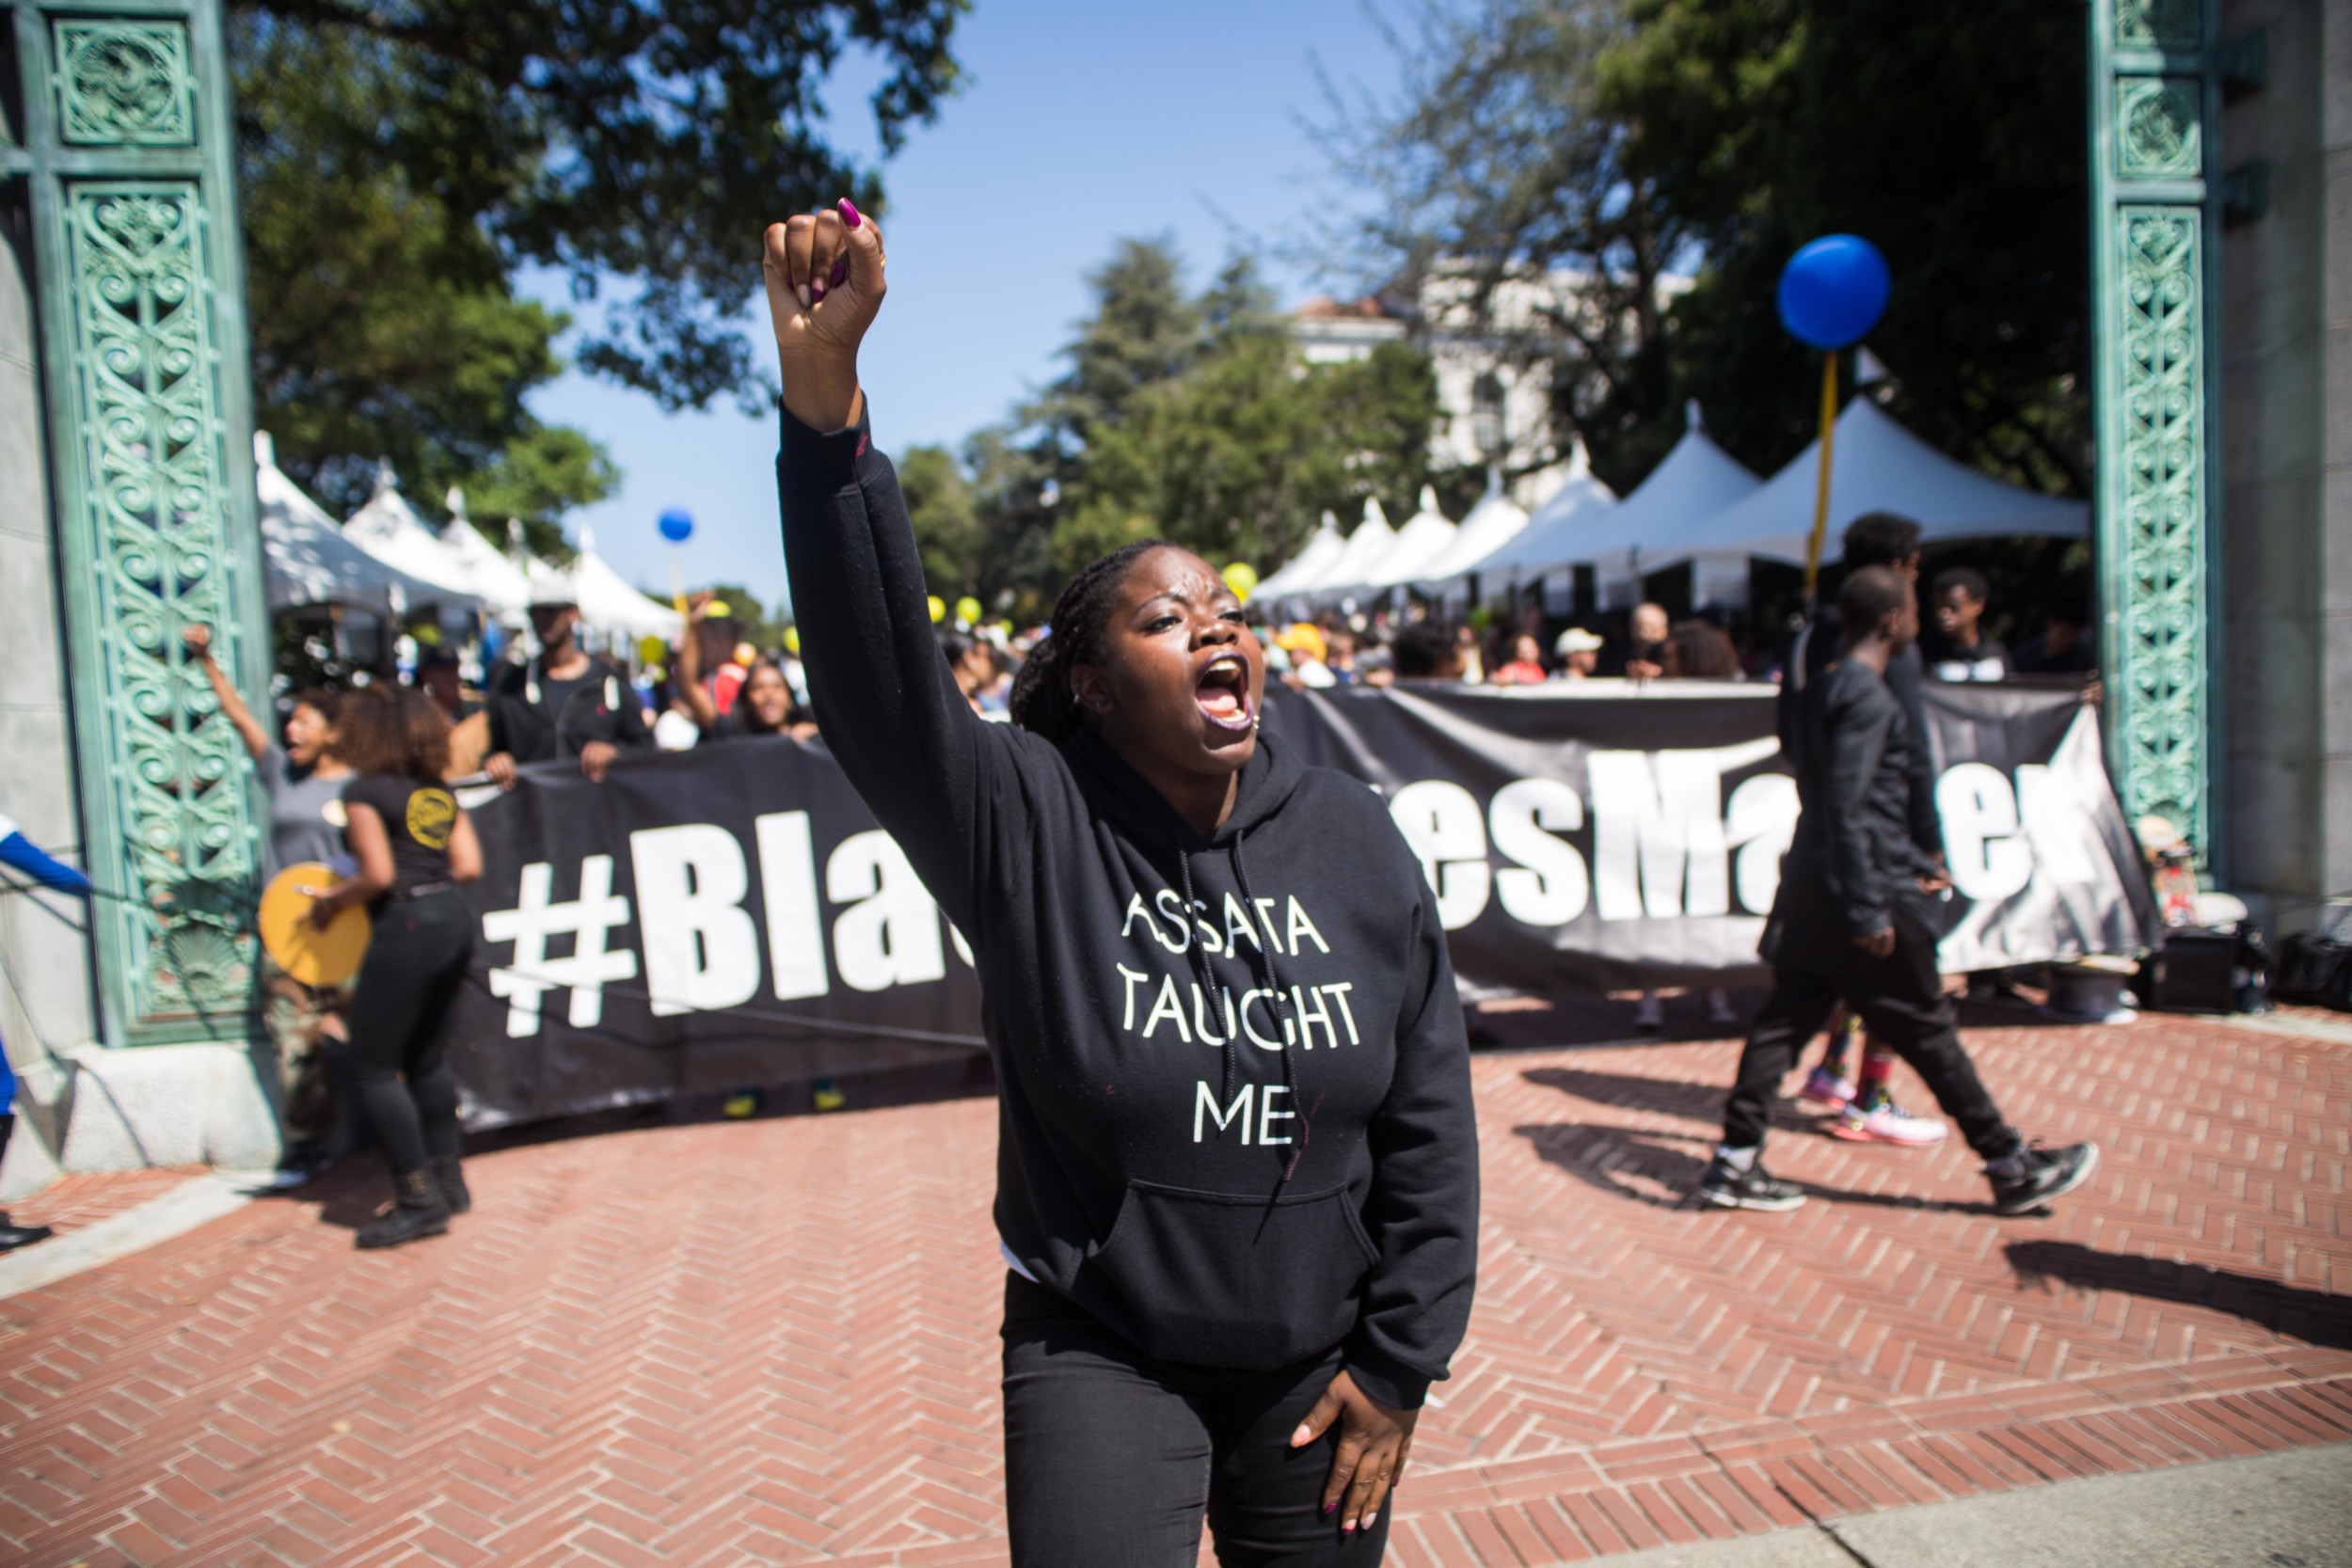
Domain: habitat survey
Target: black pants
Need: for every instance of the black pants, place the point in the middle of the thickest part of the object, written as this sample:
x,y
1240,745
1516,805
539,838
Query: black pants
x,y
1111,1456
416,962
1901,998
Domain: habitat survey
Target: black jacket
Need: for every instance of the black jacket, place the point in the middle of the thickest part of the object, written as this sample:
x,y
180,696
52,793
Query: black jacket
x,y
1164,1159
522,724
1853,856
1817,646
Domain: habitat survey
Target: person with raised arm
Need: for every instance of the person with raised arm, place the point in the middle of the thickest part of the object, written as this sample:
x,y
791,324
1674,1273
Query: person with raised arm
x,y
1237,1169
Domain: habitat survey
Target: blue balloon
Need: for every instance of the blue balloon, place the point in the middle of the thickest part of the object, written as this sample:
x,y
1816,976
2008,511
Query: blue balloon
x,y
676,525
1833,291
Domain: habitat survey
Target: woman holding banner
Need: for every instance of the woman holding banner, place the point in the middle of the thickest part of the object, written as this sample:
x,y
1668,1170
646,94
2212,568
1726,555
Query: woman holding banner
x,y
1237,1168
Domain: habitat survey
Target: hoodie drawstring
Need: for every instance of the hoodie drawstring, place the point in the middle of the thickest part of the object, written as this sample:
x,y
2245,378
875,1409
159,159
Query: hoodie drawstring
x,y
1207,974
1281,1015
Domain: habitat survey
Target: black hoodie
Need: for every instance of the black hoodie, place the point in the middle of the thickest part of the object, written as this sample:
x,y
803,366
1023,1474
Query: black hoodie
x,y
1162,1159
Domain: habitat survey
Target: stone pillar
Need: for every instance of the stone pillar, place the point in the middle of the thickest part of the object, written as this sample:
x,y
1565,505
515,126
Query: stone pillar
x,y
2286,68
122,163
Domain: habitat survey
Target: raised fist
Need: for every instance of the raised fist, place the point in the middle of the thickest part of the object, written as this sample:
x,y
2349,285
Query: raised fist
x,y
824,277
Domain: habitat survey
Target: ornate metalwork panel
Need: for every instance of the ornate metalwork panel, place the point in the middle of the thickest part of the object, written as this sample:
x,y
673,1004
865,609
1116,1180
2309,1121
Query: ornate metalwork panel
x,y
124,83
2153,235
143,355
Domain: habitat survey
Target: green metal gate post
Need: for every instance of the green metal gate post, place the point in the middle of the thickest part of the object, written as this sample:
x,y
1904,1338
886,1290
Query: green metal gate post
x,y
2155,254
124,139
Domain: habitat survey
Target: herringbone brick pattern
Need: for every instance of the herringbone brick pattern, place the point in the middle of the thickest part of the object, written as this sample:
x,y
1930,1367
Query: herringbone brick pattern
x,y
773,1342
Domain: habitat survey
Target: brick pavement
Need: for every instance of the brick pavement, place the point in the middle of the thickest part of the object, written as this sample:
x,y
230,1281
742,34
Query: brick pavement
x,y
774,1341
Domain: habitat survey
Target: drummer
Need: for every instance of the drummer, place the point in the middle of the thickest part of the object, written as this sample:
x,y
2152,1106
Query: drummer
x,y
304,780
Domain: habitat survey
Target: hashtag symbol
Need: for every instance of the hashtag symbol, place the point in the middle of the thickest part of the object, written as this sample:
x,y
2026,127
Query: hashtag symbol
x,y
586,919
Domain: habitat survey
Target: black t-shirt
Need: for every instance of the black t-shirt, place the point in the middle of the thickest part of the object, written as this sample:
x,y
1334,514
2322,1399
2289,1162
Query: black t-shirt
x,y
558,693
1983,660
418,818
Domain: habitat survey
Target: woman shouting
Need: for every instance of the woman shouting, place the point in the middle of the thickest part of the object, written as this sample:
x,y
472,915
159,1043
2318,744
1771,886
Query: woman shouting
x,y
1237,1172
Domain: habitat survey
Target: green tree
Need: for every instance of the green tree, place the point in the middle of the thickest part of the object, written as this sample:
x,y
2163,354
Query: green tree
x,y
1217,436
1642,142
1948,133
401,163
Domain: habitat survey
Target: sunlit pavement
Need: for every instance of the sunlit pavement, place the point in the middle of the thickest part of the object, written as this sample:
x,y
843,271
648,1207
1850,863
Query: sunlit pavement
x,y
775,1341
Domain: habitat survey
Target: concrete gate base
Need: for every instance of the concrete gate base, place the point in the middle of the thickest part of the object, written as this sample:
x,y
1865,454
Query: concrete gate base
x,y
100,1110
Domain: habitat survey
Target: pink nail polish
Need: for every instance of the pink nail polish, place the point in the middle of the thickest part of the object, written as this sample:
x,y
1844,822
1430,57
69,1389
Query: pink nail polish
x,y
1327,1508
850,214
840,273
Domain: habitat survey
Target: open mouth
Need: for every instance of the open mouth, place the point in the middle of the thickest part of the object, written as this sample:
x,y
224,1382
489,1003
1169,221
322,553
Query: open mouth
x,y
1223,692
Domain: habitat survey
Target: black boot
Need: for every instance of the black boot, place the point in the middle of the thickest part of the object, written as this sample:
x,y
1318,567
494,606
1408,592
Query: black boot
x,y
451,1181
420,1213
14,1236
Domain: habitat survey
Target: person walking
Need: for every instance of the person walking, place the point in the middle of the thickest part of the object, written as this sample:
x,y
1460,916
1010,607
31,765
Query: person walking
x,y
1851,920
26,859
1237,1175
566,703
415,846
303,779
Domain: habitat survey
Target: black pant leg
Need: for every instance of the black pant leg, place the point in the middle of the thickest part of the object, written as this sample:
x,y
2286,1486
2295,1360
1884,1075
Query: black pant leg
x,y
1265,1497
1107,1450
394,981
431,1085
1800,1003
1901,998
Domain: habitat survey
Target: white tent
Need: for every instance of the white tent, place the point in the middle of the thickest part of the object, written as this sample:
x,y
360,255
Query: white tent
x,y
306,560
1494,522
1425,533
1876,466
1695,481
1311,562
609,604
504,587
1371,542
1556,531
390,529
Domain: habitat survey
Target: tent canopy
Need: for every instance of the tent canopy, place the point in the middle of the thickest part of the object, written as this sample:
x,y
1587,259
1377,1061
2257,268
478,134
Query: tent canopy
x,y
1425,533
1494,522
1875,466
1556,532
306,560
608,603
1312,561
504,587
1365,549
389,529
1695,481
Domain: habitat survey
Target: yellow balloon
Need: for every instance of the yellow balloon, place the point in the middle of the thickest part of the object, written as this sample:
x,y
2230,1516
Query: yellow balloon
x,y
792,641
1242,578
939,610
968,610
651,650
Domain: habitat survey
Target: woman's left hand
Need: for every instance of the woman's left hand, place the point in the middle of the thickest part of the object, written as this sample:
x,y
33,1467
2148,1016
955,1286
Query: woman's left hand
x,y
1375,1442
322,911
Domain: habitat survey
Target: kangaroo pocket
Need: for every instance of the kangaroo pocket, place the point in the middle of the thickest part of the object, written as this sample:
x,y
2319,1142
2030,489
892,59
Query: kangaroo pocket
x,y
1225,1279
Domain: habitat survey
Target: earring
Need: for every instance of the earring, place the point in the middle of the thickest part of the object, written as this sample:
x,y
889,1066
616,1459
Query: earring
x,y
1255,720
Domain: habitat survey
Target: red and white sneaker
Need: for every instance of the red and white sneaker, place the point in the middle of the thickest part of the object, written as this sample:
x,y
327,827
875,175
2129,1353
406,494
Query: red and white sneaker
x,y
1824,1087
1887,1123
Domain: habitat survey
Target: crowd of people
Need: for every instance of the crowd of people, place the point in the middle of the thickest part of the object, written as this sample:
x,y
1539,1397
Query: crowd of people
x,y
350,774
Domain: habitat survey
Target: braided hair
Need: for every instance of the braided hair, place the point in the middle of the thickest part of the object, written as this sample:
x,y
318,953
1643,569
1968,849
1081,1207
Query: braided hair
x,y
1041,701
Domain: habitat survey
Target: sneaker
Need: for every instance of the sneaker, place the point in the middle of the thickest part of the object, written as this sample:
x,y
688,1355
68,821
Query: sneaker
x,y
301,1164
1719,1006
13,1235
1824,1087
1887,1123
1725,1187
2044,1174
1649,1014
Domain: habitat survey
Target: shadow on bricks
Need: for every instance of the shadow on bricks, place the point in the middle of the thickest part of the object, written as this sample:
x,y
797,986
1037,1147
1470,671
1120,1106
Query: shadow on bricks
x,y
2314,1316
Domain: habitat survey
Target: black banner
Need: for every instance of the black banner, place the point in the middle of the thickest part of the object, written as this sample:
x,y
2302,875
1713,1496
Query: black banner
x,y
732,916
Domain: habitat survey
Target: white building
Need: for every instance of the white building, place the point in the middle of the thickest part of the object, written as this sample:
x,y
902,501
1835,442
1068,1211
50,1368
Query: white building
x,y
1494,380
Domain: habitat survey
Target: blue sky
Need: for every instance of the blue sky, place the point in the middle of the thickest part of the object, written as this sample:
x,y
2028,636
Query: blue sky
x,y
1079,123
